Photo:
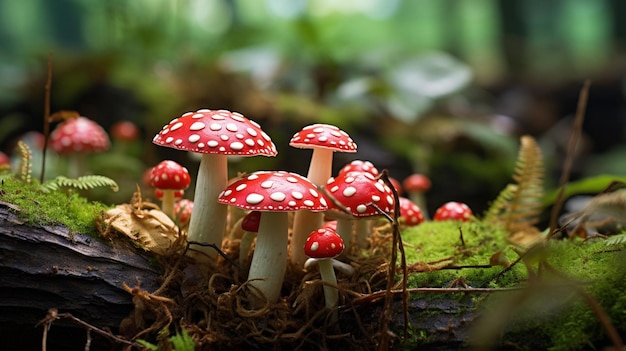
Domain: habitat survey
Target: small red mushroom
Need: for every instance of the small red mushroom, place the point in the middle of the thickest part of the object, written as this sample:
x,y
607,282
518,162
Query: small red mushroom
x,y
250,226
453,211
125,131
325,244
169,177
360,166
410,213
214,134
275,193
182,210
77,137
416,185
4,159
324,139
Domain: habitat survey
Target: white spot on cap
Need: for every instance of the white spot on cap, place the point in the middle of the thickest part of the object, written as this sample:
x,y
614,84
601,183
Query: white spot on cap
x,y
315,246
309,203
231,127
240,187
213,143
236,146
267,184
297,195
197,126
176,126
193,138
349,191
252,132
254,199
278,196
215,126
361,208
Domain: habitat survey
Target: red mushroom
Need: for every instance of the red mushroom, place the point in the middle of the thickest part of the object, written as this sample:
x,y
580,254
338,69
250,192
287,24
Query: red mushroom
x,y
77,137
178,194
416,185
215,134
324,139
169,177
182,211
275,193
358,192
360,166
325,244
453,211
410,213
4,160
125,131
250,226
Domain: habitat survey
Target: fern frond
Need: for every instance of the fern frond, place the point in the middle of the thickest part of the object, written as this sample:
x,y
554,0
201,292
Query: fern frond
x,y
82,183
500,206
25,168
616,240
525,206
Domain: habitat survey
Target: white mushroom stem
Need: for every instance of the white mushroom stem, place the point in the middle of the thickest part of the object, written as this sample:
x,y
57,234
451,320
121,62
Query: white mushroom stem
x,y
363,230
419,199
244,247
167,202
208,218
342,267
269,260
345,231
304,222
327,273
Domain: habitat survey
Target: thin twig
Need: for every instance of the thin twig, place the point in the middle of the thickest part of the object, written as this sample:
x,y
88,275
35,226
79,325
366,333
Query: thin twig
x,y
46,117
569,158
368,298
219,251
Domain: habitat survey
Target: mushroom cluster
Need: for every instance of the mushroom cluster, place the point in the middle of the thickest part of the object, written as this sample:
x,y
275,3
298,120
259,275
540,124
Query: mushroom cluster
x,y
215,134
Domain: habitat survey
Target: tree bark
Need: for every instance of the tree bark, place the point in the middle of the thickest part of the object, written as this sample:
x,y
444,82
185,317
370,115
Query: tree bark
x,y
45,266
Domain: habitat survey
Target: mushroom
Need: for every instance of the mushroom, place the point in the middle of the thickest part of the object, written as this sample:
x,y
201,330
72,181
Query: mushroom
x,y
182,211
169,177
410,213
5,161
358,192
124,131
453,211
324,139
416,185
77,137
325,244
360,166
275,193
215,134
250,226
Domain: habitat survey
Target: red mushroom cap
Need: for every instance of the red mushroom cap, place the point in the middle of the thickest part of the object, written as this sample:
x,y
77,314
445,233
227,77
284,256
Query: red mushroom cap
x,y
4,159
323,243
324,136
275,191
416,182
158,193
169,175
79,135
250,222
216,132
125,131
453,211
186,206
360,166
357,191
411,213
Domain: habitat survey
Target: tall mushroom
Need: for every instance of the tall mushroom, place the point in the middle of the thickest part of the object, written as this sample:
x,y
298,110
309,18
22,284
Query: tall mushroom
x,y
416,185
324,139
363,196
275,193
78,137
169,176
215,134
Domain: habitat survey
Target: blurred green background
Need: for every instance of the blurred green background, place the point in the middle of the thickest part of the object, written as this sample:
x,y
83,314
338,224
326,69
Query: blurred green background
x,y
440,87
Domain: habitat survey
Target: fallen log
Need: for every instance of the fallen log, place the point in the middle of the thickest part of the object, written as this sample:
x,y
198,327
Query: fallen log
x,y
45,266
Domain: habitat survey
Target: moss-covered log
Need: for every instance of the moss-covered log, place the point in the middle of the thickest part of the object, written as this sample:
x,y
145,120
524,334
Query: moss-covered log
x,y
45,266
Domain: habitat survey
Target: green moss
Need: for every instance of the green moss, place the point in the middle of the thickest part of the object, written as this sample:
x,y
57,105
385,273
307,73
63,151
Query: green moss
x,y
551,308
67,208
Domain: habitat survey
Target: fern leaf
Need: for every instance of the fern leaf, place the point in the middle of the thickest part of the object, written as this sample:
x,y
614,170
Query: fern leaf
x,y
82,183
500,206
616,240
25,168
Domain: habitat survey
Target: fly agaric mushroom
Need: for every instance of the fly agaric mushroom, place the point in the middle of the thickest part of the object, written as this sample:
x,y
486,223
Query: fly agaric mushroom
x,y
4,159
214,134
275,193
416,185
360,166
182,211
169,177
453,211
125,131
361,194
325,244
250,226
324,139
410,213
178,194
77,137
